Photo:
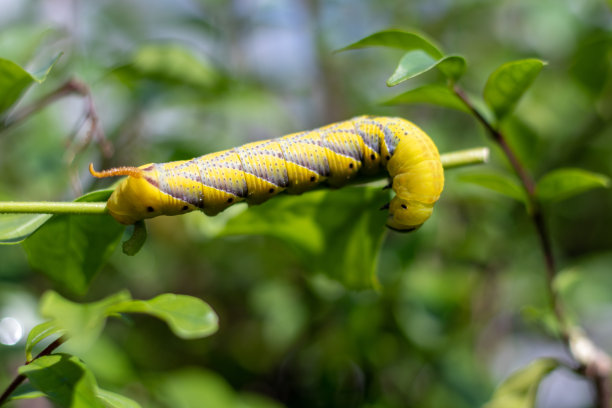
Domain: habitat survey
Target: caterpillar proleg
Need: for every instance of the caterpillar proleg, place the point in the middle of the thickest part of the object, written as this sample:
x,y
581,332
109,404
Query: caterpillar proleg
x,y
255,172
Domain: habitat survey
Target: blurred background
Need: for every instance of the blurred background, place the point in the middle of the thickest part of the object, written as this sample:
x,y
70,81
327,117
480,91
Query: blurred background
x,y
463,301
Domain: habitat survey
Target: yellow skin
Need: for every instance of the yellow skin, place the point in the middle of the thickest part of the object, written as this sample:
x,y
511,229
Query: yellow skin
x,y
295,163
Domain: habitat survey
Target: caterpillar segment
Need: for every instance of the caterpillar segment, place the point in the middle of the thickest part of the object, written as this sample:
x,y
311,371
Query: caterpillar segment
x,y
295,163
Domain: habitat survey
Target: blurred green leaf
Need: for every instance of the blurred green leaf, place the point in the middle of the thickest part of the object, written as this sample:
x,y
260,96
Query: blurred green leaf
x,y
452,67
113,400
26,391
520,389
195,388
497,182
83,323
563,183
397,39
14,228
188,317
14,81
139,235
39,333
70,249
435,94
507,84
175,64
64,379
591,62
314,222
416,62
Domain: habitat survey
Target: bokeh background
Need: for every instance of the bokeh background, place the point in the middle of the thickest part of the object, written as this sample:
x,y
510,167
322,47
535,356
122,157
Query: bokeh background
x,y
463,301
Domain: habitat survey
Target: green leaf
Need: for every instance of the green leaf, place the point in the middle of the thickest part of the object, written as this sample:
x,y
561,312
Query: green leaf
x,y
313,223
14,81
416,62
70,249
403,40
590,65
113,400
188,317
83,323
435,94
496,182
567,182
452,67
64,379
507,84
15,228
139,235
38,334
26,391
520,389
171,63
200,388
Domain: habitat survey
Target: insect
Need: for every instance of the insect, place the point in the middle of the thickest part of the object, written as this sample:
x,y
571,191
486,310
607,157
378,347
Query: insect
x,y
334,154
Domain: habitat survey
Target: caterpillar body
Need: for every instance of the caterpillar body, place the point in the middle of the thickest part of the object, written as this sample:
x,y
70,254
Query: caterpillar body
x,y
255,172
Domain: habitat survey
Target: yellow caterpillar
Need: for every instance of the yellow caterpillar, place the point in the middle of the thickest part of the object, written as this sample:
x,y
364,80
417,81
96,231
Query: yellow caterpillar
x,y
255,172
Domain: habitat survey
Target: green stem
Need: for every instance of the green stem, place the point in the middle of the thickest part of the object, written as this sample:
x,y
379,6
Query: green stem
x,y
48,207
449,160
461,158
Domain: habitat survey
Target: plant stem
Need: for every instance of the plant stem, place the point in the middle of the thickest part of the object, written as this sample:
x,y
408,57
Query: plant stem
x,y
596,366
70,87
449,160
461,158
48,207
20,378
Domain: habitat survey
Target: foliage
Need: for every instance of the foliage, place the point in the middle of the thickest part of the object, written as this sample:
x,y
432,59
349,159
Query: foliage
x,y
318,305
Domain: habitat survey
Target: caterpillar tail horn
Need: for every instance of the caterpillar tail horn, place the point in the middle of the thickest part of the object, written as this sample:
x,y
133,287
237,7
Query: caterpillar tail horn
x,y
116,171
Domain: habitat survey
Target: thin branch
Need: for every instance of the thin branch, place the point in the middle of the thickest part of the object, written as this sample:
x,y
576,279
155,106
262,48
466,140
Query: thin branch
x,y
595,364
20,378
70,87
49,207
449,160
498,137
462,158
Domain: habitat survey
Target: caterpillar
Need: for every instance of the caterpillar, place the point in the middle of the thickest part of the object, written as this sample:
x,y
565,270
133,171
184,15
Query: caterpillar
x,y
334,154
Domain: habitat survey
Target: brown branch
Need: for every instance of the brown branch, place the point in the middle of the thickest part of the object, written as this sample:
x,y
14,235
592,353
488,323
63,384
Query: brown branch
x,y
20,378
70,87
595,365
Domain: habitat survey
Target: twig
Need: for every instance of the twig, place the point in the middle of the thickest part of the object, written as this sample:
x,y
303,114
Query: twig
x,y
595,365
449,160
462,158
20,378
50,207
72,86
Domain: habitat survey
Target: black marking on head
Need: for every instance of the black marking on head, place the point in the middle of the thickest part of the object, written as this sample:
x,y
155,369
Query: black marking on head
x,y
403,230
185,208
372,156
404,206
150,209
388,157
271,190
312,178
230,200
351,165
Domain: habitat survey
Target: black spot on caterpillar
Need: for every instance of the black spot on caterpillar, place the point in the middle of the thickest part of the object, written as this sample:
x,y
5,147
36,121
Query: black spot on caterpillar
x,y
295,163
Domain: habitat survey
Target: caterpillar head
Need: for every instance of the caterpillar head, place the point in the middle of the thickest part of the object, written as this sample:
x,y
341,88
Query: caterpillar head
x,y
407,215
136,197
